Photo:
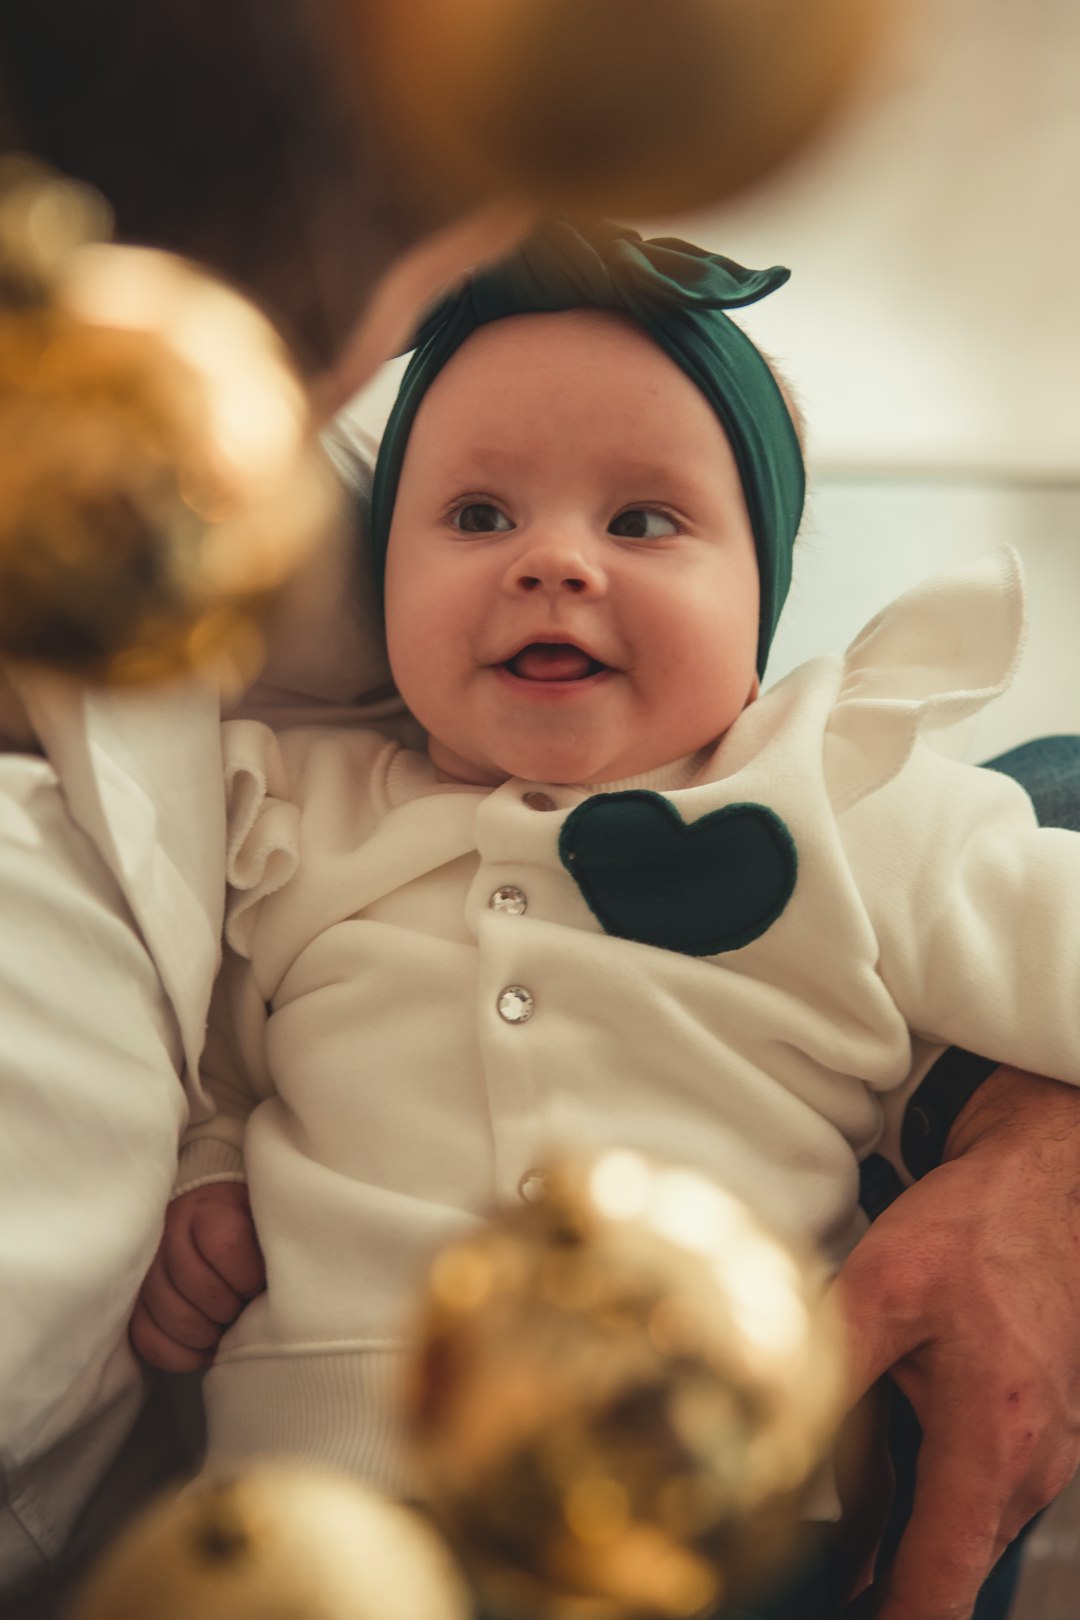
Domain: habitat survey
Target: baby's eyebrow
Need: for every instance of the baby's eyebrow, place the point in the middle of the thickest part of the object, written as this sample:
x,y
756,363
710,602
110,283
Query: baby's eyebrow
x,y
639,476
484,458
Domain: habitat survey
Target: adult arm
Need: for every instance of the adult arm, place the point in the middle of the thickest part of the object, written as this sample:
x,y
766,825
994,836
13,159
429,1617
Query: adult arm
x,y
965,1290
93,1106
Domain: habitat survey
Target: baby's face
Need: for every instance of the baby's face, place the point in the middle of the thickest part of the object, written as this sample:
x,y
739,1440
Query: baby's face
x,y
571,584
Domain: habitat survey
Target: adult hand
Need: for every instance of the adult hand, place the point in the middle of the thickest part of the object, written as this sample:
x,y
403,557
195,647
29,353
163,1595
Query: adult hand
x,y
208,1266
966,1290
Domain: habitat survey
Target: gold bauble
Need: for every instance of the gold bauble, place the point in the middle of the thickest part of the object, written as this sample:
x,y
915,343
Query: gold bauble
x,y
627,107
158,472
275,1543
622,1391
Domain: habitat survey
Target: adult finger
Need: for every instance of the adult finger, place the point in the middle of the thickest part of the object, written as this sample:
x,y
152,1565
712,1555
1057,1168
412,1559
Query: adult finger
x,y
195,1280
179,1320
224,1236
155,1346
953,1538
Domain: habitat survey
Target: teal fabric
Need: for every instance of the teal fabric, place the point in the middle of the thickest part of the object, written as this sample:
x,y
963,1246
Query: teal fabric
x,y
678,294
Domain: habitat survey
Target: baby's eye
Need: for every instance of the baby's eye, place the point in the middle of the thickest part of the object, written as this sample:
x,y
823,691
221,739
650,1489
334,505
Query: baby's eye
x,y
480,517
642,523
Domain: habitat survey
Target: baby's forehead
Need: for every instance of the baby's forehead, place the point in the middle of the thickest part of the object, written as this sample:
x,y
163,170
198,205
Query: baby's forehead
x,y
575,395
583,325
550,361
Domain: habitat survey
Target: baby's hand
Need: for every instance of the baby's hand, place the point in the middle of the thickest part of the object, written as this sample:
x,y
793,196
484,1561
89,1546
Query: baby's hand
x,y
207,1267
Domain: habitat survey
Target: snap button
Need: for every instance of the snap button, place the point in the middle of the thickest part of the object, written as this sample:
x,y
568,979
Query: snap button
x,y
510,899
515,1004
919,1119
533,1186
539,801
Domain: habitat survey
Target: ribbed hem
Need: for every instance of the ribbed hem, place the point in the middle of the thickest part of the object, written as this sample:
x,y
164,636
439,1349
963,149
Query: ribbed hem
x,y
669,778
340,1408
412,777
208,1158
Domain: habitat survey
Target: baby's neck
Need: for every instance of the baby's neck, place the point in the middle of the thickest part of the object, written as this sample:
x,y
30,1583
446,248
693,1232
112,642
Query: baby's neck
x,y
668,775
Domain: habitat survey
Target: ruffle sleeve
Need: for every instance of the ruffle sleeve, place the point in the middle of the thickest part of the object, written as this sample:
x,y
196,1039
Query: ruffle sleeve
x,y
263,827
934,656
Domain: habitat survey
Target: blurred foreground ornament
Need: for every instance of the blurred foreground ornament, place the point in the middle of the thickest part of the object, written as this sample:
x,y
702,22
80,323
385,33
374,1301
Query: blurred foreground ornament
x,y
158,472
622,1391
625,107
275,1543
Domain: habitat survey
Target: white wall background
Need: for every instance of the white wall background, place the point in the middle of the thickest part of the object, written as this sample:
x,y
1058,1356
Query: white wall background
x,y
932,331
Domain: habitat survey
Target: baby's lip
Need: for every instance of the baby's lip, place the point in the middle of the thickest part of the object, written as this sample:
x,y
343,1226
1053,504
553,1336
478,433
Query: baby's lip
x,y
551,658
550,638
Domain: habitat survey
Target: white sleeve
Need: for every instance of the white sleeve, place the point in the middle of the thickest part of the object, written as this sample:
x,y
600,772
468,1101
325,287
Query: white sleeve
x,y
262,854
976,910
232,1078
92,1110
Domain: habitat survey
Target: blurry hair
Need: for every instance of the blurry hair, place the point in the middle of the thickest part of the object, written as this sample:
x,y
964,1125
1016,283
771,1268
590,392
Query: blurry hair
x,y
217,129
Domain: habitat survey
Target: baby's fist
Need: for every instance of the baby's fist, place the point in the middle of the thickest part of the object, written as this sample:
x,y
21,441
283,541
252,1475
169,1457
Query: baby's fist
x,y
208,1266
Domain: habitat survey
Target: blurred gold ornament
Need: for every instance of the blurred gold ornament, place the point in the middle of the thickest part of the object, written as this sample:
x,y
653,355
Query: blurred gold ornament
x,y
622,1391
275,1543
158,472
627,107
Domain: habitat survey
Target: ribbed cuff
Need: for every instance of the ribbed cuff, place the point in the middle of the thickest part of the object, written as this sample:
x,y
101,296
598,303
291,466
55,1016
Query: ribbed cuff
x,y
339,1407
208,1158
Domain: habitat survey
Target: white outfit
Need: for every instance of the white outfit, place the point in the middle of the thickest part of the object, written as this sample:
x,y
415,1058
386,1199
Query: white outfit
x,y
112,871
375,1078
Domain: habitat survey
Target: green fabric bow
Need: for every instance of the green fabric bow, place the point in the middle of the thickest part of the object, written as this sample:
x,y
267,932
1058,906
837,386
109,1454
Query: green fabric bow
x,y
677,293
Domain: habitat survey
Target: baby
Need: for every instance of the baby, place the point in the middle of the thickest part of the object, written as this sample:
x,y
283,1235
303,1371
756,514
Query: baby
x,y
608,893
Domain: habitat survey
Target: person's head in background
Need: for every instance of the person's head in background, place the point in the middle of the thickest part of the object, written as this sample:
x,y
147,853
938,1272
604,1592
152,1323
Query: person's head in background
x,y
340,160
586,500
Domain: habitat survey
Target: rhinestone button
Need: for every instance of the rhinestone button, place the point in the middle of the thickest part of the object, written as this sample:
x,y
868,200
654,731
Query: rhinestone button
x,y
515,1004
532,1186
510,899
539,801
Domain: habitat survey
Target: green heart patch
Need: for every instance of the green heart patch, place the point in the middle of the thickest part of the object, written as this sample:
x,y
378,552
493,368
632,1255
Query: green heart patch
x,y
701,888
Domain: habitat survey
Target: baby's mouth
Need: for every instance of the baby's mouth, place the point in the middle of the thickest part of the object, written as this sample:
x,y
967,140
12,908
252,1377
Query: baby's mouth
x,y
553,661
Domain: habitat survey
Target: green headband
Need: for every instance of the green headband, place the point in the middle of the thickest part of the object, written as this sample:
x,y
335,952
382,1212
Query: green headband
x,y
677,293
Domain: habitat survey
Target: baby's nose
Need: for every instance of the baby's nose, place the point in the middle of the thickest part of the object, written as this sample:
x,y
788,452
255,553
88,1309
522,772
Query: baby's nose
x,y
568,582
559,566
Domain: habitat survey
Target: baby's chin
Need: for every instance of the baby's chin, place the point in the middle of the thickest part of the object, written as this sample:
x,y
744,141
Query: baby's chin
x,y
558,767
